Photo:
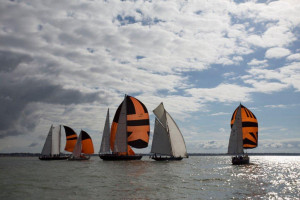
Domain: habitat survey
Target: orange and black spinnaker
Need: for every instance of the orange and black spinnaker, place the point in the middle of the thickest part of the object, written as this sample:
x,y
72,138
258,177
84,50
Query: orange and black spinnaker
x,y
71,138
249,126
138,126
87,143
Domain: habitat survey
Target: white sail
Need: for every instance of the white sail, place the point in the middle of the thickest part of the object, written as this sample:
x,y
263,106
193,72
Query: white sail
x,y
121,134
235,145
48,143
105,143
160,113
177,141
77,149
161,140
55,150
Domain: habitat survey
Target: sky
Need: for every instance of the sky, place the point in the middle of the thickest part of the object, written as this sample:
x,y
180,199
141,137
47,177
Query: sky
x,y
67,62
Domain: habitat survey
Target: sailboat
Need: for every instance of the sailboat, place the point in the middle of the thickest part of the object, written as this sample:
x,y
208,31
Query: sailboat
x,y
244,134
84,146
130,128
168,142
51,149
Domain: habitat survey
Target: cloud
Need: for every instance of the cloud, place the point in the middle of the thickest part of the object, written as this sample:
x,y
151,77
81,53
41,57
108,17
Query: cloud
x,y
260,63
277,52
221,93
295,57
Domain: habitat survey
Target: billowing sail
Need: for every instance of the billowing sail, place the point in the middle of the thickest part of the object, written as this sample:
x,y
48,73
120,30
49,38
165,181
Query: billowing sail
x,y
71,138
133,126
48,143
105,144
235,145
177,141
161,143
87,143
250,127
167,128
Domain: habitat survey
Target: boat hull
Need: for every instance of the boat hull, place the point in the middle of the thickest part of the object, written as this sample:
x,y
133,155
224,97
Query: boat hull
x,y
53,158
240,160
165,158
71,158
112,157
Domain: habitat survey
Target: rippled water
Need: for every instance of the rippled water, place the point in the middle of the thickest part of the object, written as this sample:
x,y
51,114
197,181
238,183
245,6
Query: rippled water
x,y
201,177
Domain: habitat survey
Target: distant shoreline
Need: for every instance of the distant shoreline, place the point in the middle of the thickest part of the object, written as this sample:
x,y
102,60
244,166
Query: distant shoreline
x,y
190,154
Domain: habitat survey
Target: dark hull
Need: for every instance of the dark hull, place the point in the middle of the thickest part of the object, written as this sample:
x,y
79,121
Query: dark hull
x,y
165,158
240,160
54,158
112,157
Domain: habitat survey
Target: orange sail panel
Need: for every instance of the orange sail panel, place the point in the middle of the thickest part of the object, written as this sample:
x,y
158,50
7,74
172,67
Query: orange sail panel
x,y
138,126
87,143
249,126
71,138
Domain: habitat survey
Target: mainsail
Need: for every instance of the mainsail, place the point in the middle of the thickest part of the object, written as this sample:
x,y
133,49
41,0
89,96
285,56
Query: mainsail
x,y
52,143
105,146
130,127
71,138
235,145
249,127
167,127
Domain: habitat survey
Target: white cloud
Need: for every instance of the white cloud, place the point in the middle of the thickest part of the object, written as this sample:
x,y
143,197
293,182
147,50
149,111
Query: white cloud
x,y
295,57
277,52
222,93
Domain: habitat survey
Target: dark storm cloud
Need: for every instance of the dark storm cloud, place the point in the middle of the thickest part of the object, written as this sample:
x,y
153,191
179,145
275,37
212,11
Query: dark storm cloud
x,y
17,93
9,61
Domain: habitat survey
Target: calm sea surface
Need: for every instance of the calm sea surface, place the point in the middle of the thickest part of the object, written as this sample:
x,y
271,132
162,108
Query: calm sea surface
x,y
203,177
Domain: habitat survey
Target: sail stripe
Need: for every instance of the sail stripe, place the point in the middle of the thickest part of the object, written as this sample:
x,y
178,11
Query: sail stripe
x,y
247,141
253,135
246,112
142,122
249,124
74,138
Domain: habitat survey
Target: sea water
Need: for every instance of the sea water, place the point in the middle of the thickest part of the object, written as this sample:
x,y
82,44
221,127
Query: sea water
x,y
198,177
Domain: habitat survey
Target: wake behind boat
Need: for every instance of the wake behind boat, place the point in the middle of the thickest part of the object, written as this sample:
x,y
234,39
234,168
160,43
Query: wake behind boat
x,y
168,142
130,128
244,135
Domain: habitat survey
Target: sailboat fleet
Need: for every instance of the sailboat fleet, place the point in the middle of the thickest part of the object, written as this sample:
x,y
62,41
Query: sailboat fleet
x,y
131,129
